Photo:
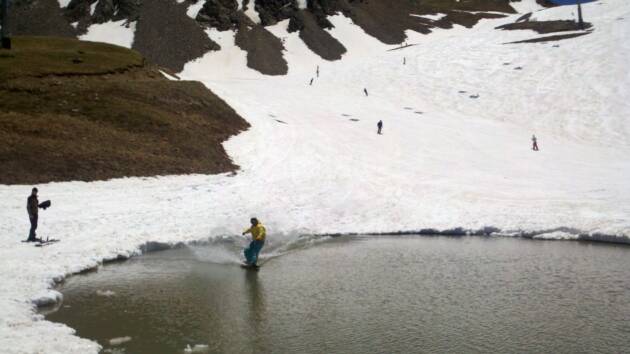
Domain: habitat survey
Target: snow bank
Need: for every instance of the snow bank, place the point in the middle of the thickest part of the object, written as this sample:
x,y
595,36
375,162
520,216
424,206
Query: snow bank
x,y
446,162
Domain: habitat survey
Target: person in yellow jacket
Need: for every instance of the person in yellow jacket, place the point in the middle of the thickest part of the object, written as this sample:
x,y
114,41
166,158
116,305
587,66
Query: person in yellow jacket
x,y
258,241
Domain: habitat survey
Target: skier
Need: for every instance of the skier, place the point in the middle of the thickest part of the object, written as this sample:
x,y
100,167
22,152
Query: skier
x,y
258,241
317,70
534,143
32,206
311,83
379,125
365,92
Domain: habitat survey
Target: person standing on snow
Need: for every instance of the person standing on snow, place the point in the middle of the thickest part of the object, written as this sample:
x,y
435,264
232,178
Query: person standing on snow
x,y
32,207
379,125
259,234
365,92
534,143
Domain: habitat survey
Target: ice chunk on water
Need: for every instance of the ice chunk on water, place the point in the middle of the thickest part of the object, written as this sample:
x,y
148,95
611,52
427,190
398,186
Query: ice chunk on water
x,y
119,340
106,293
198,348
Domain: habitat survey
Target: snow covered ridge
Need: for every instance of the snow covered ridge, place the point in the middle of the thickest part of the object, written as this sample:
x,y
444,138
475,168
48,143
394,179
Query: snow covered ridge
x,y
455,153
171,33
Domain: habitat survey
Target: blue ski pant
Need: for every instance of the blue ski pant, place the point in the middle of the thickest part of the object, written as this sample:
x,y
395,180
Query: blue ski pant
x,y
251,252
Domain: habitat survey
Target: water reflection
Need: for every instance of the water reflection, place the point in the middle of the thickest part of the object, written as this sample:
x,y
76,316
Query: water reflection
x,y
257,313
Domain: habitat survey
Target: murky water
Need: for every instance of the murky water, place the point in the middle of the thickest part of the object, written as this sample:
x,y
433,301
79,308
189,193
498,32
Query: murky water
x,y
363,295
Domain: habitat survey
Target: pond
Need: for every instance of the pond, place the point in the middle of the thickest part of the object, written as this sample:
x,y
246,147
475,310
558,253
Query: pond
x,y
361,295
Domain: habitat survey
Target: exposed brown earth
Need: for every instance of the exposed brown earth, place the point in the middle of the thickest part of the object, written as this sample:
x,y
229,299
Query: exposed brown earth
x,y
558,37
72,110
264,50
388,21
318,40
544,27
39,18
168,37
165,35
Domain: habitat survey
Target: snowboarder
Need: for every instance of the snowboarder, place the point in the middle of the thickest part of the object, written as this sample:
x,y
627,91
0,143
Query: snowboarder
x,y
379,125
32,206
365,92
258,241
534,143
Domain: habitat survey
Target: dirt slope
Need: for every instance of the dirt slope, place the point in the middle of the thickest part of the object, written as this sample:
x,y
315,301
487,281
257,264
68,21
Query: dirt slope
x,y
72,110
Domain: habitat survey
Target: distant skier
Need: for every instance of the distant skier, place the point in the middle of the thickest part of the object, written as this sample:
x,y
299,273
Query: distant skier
x,y
317,71
311,83
258,241
534,143
365,92
379,125
404,61
32,207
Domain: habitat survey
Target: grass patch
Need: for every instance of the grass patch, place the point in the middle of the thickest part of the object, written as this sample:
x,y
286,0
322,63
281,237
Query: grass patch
x,y
41,56
111,115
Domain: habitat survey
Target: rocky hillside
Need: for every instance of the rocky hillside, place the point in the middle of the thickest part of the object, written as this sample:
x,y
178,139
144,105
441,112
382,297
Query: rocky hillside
x,y
172,32
73,110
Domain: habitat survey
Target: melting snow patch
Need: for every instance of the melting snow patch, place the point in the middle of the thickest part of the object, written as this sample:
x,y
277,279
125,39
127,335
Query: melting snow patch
x,y
252,13
435,17
170,77
301,4
114,32
193,10
63,3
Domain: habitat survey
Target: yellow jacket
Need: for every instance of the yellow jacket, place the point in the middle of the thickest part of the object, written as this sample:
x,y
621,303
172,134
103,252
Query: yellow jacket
x,y
258,232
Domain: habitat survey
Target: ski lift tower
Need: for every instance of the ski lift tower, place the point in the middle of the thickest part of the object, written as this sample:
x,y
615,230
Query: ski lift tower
x,y
6,40
580,19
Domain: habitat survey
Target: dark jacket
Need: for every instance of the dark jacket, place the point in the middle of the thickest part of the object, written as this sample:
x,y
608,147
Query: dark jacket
x,y
31,205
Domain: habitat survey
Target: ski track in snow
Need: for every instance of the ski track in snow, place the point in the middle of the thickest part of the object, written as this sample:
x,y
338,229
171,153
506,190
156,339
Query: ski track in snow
x,y
464,163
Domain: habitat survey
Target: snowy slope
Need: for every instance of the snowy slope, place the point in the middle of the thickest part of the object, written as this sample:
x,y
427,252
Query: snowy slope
x,y
462,162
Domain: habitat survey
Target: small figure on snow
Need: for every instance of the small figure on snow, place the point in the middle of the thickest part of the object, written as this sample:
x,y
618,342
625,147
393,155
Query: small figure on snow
x,y
317,72
311,83
404,61
365,92
379,125
32,206
258,241
534,143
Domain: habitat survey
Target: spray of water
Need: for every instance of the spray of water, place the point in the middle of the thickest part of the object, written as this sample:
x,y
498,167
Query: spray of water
x,y
228,249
